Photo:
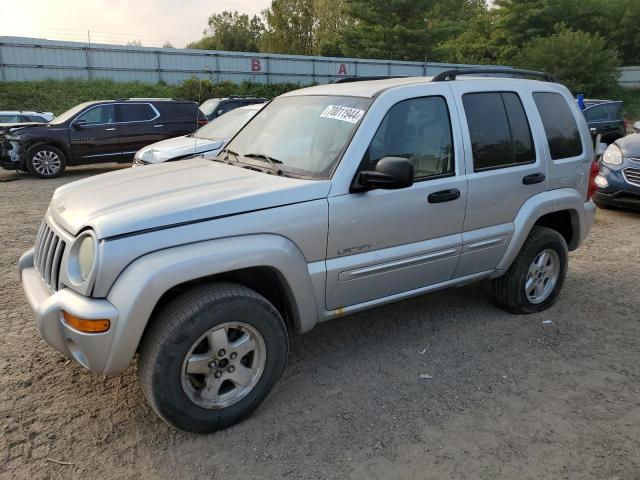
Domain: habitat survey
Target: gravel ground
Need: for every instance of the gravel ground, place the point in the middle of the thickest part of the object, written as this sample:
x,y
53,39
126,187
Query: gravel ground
x,y
510,397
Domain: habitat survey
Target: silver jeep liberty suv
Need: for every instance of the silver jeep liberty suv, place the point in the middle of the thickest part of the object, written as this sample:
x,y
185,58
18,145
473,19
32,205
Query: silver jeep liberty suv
x,y
331,200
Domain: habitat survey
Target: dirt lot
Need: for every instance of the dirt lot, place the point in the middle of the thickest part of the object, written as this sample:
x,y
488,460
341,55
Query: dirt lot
x,y
510,397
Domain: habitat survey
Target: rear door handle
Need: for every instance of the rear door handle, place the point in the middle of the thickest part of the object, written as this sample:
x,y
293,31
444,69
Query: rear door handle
x,y
110,129
444,196
533,178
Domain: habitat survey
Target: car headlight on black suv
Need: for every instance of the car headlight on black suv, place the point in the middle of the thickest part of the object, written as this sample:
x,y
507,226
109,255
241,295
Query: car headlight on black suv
x,y
612,155
82,259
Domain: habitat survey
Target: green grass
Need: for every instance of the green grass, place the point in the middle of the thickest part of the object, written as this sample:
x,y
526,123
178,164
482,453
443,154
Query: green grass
x,y
58,96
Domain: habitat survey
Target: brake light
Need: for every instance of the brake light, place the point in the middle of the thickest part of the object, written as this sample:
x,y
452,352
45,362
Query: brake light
x,y
595,169
203,121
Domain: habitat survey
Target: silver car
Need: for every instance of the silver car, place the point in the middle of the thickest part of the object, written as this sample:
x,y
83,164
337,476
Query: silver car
x,y
333,199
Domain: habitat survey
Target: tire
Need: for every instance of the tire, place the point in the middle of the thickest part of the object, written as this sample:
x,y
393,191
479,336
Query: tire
x,y
175,344
511,291
46,161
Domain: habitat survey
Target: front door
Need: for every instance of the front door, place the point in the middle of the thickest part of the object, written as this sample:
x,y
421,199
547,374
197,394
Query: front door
x,y
385,242
93,135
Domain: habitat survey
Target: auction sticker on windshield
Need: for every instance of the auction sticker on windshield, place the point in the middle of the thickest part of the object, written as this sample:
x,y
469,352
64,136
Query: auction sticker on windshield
x,y
346,114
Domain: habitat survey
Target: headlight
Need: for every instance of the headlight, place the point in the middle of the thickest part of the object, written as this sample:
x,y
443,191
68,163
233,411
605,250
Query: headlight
x,y
613,155
82,257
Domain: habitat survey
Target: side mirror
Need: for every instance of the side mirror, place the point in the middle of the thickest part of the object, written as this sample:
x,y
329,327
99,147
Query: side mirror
x,y
636,127
390,173
80,125
220,112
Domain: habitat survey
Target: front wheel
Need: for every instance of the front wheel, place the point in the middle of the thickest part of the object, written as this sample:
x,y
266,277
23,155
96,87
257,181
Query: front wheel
x,y
211,357
46,162
534,280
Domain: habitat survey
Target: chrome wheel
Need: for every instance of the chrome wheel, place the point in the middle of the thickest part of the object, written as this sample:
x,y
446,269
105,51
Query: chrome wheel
x,y
542,276
46,163
223,365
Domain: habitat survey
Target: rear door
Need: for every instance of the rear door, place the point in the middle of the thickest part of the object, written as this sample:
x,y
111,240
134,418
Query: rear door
x,y
136,127
385,242
93,135
505,167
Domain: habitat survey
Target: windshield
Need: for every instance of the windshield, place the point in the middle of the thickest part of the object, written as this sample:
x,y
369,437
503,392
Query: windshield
x,y
226,126
209,106
304,134
69,113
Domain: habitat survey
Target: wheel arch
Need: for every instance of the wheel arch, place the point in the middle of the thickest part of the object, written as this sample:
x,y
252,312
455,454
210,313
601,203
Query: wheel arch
x,y
154,279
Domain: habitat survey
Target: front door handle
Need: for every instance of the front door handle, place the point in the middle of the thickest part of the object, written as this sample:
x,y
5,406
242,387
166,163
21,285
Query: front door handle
x,y
533,178
444,196
110,129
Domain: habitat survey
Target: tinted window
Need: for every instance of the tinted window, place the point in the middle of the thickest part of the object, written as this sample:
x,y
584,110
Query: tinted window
x,y
178,111
499,130
418,129
136,112
559,125
9,118
596,114
226,106
100,114
35,118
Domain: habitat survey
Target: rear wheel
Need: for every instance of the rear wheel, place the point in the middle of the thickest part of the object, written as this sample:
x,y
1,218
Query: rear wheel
x,y
211,357
534,280
46,162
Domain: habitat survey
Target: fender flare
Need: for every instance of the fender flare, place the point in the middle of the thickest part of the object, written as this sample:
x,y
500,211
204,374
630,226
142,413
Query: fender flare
x,y
140,286
535,208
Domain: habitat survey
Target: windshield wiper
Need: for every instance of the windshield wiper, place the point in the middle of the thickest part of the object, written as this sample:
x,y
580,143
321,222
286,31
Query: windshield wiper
x,y
269,159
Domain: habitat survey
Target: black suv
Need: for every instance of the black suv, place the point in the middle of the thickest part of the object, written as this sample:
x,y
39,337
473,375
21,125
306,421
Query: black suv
x,y
94,132
606,118
214,107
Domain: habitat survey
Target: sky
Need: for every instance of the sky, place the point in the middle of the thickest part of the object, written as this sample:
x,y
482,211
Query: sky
x,y
151,22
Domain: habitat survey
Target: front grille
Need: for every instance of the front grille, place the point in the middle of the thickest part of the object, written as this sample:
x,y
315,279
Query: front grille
x,y
47,255
632,175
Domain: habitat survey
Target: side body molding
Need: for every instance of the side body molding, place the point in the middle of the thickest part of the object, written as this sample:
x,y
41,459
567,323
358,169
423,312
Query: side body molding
x,y
143,282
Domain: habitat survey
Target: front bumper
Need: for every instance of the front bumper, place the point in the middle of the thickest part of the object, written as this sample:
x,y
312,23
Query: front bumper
x,y
91,350
620,192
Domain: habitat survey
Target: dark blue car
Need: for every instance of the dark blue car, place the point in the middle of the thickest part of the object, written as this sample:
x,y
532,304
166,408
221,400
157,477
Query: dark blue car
x,y
619,178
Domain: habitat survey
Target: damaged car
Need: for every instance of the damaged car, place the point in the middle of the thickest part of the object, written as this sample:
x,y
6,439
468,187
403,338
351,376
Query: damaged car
x,y
96,132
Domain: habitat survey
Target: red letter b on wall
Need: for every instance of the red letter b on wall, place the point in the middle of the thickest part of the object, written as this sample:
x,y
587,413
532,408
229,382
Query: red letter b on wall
x,y
256,66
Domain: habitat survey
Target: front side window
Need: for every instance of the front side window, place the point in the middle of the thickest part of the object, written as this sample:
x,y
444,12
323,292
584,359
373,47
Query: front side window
x,y
499,130
596,114
136,112
418,129
100,114
303,134
559,125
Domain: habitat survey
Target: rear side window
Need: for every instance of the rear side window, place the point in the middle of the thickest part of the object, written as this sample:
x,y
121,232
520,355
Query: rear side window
x,y
136,112
596,114
178,111
499,130
559,125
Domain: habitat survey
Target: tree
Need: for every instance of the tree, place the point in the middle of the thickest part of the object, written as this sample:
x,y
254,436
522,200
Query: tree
x,y
580,60
231,31
167,44
290,27
134,43
304,27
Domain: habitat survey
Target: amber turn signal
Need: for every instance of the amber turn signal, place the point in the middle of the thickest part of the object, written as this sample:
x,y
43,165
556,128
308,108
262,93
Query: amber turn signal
x,y
86,326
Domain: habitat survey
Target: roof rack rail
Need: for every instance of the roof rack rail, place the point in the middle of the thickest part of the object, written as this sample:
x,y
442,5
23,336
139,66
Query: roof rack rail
x,y
452,74
364,79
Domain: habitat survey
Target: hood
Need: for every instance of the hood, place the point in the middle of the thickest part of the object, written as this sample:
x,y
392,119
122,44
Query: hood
x,y
630,145
155,196
177,147
15,126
